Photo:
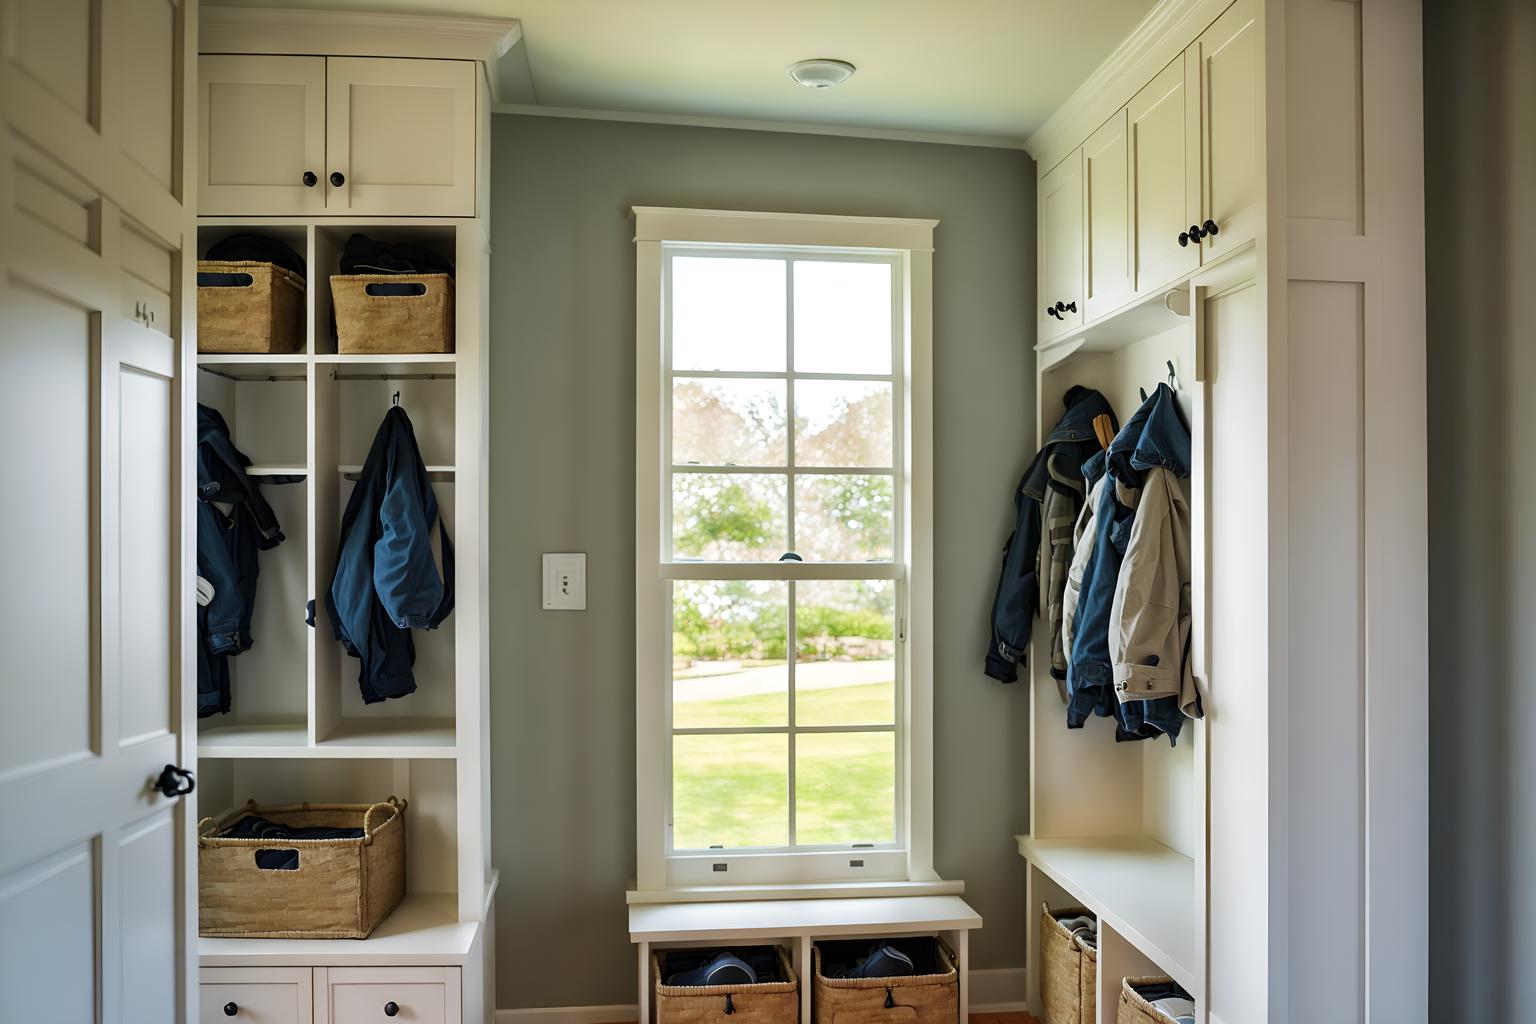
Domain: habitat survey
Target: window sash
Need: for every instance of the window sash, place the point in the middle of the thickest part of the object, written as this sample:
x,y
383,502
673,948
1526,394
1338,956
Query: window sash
x,y
887,855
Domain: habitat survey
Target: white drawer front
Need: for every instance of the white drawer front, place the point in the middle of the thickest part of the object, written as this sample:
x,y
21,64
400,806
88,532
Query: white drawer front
x,y
255,995
418,995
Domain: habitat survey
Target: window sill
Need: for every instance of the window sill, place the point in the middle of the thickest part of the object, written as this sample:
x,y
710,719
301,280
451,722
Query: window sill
x,y
803,891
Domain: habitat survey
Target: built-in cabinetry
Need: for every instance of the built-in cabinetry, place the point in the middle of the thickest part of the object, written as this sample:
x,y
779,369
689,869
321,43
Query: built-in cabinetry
x,y
403,134
1234,195
375,136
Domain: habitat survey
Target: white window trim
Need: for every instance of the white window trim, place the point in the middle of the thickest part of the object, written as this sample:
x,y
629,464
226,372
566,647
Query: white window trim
x,y
912,243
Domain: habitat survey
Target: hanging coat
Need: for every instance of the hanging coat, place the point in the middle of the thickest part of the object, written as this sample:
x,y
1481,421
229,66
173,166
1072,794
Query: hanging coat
x,y
1034,573
387,578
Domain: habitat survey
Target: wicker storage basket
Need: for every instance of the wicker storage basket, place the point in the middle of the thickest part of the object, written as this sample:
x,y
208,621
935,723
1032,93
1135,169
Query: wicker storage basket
x,y
341,889
1135,1010
365,322
245,306
932,998
772,1002
1068,973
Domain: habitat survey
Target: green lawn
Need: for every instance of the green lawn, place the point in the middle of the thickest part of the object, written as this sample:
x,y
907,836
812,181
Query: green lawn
x,y
731,791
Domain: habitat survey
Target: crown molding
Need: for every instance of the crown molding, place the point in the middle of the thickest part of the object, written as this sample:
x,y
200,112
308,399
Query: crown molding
x,y
749,124
354,34
1160,37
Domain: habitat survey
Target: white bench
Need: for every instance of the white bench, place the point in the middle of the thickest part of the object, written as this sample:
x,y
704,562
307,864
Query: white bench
x,y
795,924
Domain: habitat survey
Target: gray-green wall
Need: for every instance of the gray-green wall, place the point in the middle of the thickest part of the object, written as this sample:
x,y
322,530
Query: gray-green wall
x,y
1480,178
562,479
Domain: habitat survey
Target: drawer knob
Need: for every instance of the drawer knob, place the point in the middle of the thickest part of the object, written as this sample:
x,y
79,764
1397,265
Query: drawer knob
x,y
338,179
1210,227
391,1008
230,1009
1184,239
310,180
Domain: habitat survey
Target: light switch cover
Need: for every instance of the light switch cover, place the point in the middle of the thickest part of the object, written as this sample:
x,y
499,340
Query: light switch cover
x,y
565,582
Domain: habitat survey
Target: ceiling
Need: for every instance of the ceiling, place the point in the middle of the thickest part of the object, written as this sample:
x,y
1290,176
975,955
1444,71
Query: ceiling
x,y
989,69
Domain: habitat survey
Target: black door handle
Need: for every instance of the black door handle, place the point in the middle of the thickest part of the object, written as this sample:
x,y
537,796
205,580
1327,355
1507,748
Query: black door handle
x,y
310,180
391,1008
338,179
1051,311
230,1009
1070,307
175,782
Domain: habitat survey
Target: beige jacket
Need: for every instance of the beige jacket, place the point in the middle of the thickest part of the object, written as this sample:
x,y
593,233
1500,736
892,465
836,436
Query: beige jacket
x,y
1150,615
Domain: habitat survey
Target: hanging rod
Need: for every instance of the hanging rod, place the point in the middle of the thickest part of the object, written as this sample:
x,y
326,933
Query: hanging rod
x,y
391,376
251,376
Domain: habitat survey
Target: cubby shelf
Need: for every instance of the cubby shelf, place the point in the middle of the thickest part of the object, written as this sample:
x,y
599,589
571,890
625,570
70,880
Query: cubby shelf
x,y
1143,889
424,930
403,738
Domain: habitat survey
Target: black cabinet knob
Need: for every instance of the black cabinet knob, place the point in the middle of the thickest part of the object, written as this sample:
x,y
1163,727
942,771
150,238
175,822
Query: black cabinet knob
x,y
230,1009
1071,306
309,179
1195,233
1051,311
338,179
1183,239
391,1008
1210,227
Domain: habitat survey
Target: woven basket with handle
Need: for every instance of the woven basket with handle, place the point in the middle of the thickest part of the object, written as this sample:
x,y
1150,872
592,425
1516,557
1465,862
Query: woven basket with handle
x,y
341,888
369,318
246,306
914,999
772,1002
1068,973
1135,1010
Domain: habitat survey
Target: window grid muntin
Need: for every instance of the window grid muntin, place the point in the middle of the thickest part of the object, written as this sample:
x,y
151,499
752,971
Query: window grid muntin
x,y
896,378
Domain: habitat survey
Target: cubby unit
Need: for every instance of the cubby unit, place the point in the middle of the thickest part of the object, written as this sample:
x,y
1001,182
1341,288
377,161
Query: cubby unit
x,y
330,241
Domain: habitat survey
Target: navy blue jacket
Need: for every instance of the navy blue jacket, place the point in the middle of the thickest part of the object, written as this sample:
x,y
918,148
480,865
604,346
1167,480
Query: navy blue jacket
x,y
1155,436
227,543
386,581
1014,605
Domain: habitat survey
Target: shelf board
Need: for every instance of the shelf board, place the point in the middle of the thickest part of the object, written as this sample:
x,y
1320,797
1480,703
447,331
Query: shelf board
x,y
273,469
763,919
436,472
1143,889
390,737
286,739
255,366
424,930
403,738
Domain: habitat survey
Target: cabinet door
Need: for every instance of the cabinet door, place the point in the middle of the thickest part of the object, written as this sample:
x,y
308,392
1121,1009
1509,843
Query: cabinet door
x,y
1106,214
1160,170
357,995
261,135
1061,247
1230,67
400,137
268,995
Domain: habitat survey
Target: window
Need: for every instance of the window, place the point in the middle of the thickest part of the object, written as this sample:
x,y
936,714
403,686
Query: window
x,y
776,524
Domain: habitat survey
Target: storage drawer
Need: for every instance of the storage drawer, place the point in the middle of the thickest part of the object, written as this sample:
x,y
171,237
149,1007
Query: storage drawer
x,y
255,995
364,995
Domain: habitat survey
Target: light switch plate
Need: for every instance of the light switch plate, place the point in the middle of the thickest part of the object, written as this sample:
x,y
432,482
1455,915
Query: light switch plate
x,y
565,582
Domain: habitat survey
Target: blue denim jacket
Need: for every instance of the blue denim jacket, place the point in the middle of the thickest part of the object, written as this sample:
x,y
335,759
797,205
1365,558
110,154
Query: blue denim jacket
x,y
1155,436
227,545
1018,586
386,581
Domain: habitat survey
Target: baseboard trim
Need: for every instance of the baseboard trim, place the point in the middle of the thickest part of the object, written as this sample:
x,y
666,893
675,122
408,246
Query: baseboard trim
x,y
999,990
570,1015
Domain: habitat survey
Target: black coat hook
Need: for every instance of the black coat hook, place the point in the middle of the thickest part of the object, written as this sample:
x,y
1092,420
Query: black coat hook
x,y
396,399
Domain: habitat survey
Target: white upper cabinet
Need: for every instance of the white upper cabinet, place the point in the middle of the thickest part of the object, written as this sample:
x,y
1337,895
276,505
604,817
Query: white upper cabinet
x,y
262,135
1106,219
309,136
1231,106
1162,180
400,136
1061,248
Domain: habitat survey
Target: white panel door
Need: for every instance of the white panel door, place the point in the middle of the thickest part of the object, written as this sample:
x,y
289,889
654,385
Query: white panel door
x,y
261,134
1061,248
400,136
1231,76
1106,218
93,863
1160,210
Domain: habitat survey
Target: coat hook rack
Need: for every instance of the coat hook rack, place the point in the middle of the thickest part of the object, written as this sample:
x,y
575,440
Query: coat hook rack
x,y
1173,377
396,399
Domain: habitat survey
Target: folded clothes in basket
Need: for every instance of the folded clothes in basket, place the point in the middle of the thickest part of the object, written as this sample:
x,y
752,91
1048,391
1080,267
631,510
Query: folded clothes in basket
x,y
253,827
1084,929
1168,999
752,965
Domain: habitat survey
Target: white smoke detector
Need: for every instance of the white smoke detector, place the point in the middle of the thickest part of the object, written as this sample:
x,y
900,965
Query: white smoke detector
x,y
821,72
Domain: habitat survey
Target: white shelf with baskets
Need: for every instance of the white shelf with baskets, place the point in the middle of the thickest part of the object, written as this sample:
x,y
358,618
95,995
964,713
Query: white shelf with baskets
x,y
298,729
